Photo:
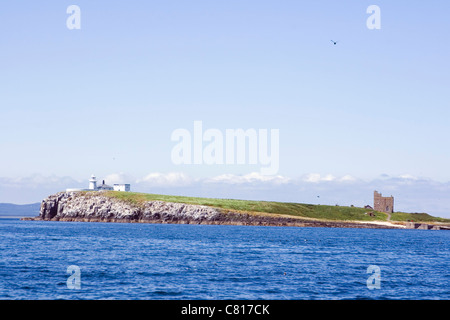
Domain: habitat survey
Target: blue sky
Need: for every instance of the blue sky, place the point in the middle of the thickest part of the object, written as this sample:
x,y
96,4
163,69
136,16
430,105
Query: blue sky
x,y
372,110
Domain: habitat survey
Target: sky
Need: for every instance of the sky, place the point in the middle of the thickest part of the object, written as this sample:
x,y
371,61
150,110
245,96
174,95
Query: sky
x,y
369,113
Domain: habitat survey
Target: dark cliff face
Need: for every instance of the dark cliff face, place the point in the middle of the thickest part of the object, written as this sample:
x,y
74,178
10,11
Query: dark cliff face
x,y
97,207
49,209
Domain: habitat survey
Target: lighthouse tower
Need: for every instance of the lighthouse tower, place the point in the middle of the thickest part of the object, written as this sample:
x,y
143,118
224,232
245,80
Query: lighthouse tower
x,y
93,183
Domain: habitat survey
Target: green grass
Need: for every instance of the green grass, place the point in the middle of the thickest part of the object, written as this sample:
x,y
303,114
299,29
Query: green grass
x,y
322,212
416,217
279,208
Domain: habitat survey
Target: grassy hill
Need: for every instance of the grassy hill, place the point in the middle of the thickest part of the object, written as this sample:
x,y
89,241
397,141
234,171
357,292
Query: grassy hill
x,y
416,217
281,208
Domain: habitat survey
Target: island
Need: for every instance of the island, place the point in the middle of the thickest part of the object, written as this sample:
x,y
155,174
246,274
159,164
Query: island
x,y
133,207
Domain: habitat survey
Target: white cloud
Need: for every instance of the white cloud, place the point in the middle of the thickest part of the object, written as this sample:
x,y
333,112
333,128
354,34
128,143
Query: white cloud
x,y
37,181
254,177
121,177
408,176
166,179
348,178
316,177
34,188
312,177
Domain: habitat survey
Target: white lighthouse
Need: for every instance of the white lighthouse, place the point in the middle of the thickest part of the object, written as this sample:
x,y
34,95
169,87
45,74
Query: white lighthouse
x,y
93,183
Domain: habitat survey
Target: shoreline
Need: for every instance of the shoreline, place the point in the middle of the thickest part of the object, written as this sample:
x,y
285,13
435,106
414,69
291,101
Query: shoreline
x,y
386,223
281,222
277,223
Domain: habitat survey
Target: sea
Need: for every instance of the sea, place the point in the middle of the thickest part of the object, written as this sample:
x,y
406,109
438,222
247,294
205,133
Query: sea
x,y
43,260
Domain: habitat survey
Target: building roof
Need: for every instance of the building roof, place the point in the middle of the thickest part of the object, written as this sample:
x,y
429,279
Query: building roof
x,y
104,186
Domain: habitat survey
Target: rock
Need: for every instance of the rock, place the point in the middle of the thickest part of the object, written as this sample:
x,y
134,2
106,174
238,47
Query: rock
x,y
79,206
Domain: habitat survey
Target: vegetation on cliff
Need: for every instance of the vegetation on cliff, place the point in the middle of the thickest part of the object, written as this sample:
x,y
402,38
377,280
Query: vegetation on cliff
x,y
325,212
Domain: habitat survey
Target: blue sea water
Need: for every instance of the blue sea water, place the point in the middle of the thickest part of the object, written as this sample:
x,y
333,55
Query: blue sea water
x,y
164,261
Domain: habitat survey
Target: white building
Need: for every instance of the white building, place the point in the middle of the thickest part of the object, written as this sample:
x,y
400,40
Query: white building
x,y
122,187
103,187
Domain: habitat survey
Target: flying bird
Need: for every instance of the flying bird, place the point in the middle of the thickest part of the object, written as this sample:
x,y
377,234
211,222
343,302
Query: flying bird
x,y
334,42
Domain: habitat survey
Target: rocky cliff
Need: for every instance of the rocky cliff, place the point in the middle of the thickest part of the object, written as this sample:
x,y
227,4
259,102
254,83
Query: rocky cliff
x,y
98,207
95,206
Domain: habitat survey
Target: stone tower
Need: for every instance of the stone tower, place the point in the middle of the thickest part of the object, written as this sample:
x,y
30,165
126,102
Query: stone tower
x,y
383,204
